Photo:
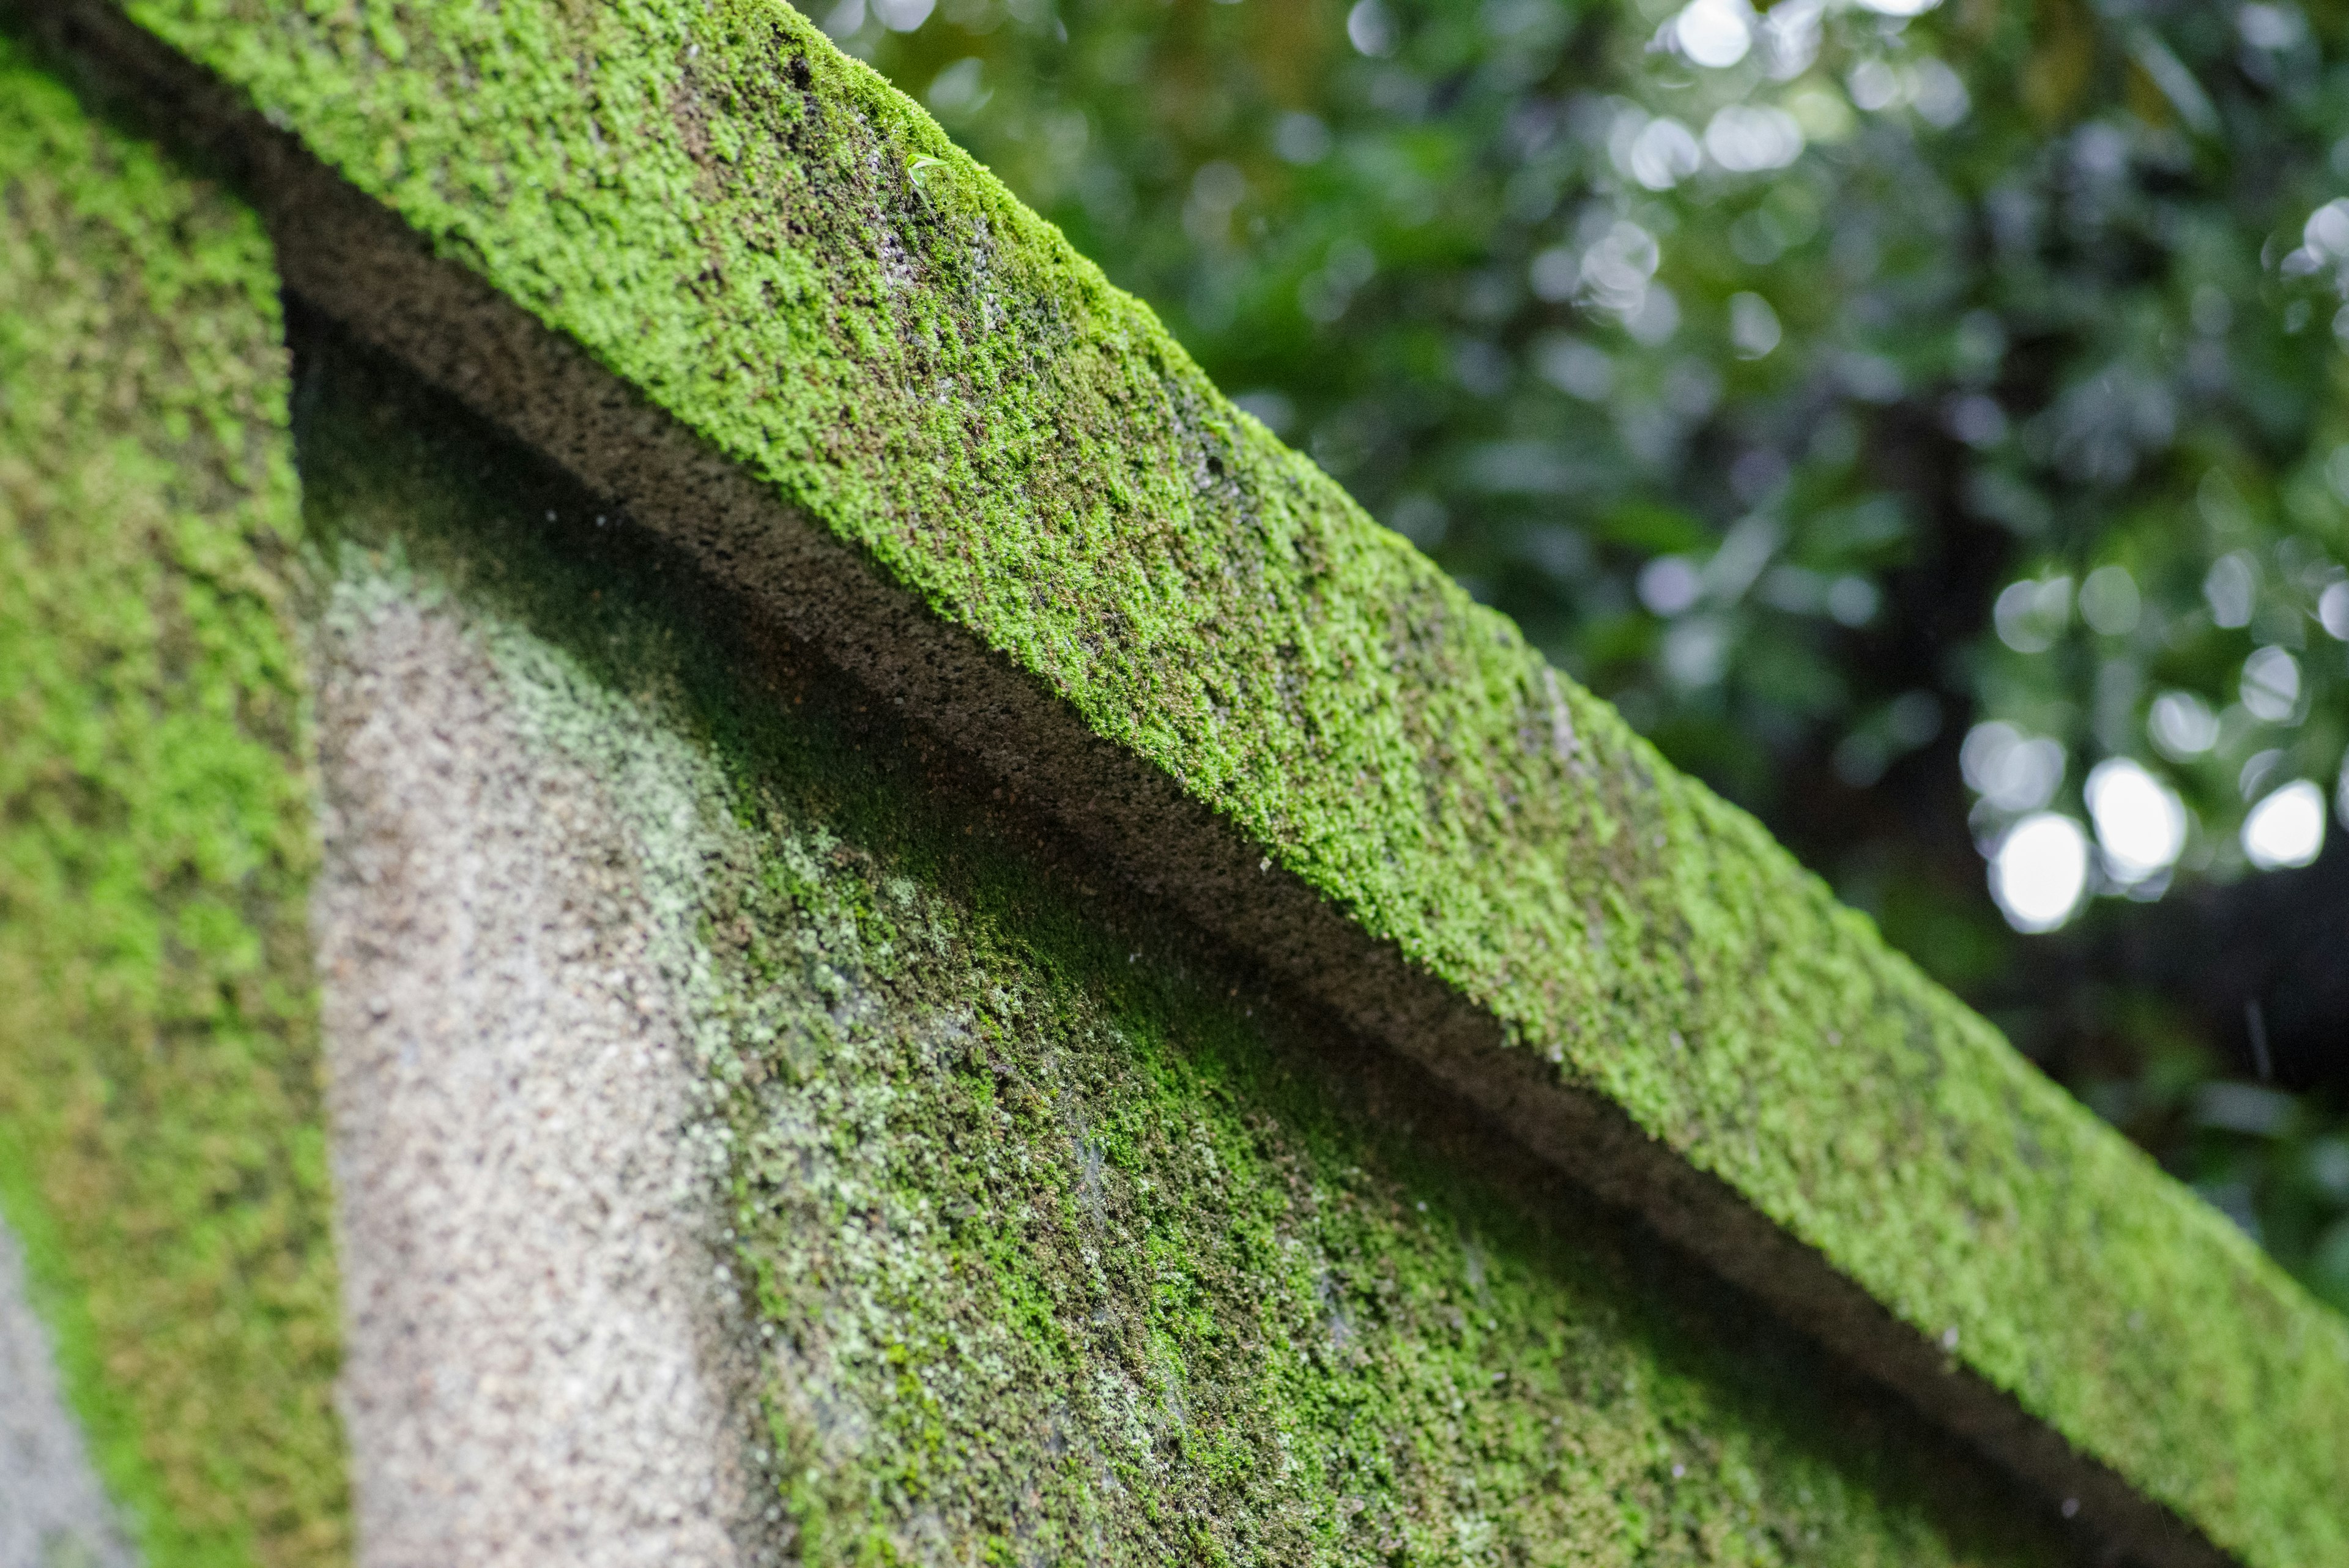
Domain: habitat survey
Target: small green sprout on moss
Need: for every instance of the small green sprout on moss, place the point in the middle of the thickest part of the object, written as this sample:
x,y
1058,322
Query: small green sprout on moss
x,y
918,167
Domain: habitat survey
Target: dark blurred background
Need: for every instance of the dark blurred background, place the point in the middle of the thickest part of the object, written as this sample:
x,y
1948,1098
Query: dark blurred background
x,y
1930,424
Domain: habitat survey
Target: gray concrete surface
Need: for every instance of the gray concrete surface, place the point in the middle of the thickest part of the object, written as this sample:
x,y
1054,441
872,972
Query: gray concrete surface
x,y
540,1363
53,1511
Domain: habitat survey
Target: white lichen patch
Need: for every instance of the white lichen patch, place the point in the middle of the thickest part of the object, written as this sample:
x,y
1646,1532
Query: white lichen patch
x,y
541,1319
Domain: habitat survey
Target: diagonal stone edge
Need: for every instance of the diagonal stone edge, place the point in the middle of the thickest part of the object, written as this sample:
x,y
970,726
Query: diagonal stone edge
x,y
355,259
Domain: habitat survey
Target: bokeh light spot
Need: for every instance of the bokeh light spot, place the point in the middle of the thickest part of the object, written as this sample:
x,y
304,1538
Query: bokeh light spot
x,y
2039,871
1714,33
2287,828
2140,822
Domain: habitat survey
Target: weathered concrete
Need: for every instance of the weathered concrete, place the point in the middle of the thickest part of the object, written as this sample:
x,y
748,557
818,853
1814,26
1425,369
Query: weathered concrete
x,y
53,1511
540,1366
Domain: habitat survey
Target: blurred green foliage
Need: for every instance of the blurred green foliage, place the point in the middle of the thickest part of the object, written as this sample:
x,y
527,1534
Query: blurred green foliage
x,y
1897,416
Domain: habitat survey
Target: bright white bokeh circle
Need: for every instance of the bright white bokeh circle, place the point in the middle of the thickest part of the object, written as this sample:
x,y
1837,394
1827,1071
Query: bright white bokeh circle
x,y
2286,829
2140,822
1715,33
2039,871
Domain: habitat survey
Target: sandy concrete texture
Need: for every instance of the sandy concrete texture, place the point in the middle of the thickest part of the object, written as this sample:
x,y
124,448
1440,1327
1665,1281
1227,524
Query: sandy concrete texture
x,y
540,1312
53,1511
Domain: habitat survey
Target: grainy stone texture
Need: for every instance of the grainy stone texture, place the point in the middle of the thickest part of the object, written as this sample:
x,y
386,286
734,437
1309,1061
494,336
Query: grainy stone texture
x,y
53,1512
538,1368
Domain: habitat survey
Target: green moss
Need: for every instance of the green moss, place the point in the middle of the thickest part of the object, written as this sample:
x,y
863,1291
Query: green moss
x,y
719,207
1061,1252
161,1149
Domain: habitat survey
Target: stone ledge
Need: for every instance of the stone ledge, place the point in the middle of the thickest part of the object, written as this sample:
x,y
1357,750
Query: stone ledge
x,y
686,252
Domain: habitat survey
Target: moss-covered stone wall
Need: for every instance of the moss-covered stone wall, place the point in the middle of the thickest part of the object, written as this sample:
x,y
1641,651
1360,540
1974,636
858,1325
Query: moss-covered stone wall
x,y
1059,1245
161,1152
1049,1231
740,229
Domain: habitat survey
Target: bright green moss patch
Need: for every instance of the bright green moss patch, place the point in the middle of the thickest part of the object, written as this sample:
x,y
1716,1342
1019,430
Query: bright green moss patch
x,y
722,210
161,1149
1060,1252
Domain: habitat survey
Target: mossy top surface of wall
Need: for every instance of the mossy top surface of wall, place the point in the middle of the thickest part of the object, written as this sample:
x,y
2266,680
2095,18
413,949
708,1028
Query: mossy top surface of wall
x,y
1059,1249
791,258
161,1152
